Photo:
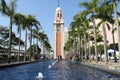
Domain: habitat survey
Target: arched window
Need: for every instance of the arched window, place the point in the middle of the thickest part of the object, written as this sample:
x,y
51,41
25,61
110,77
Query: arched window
x,y
58,14
61,15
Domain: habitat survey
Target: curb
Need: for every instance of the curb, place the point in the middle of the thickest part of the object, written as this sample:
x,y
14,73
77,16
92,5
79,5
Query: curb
x,y
104,69
7,65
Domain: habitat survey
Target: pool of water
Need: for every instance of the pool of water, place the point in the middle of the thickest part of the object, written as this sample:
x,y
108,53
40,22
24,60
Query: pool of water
x,y
54,70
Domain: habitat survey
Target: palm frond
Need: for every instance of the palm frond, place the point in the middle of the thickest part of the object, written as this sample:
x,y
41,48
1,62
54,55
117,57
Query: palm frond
x,y
84,5
118,13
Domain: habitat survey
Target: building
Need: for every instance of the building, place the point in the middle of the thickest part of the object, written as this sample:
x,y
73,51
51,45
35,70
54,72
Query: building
x,y
109,34
65,35
58,34
65,38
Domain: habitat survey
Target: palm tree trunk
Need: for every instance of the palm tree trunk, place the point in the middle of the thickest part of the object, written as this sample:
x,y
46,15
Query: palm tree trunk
x,y
89,48
79,47
118,29
30,42
85,46
82,44
37,45
10,38
115,59
25,45
19,43
105,44
33,49
94,28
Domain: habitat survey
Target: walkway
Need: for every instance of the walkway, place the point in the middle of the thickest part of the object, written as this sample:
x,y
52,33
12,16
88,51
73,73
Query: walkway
x,y
111,67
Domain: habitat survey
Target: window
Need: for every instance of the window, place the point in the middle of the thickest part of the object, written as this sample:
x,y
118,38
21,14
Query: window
x,y
58,14
61,15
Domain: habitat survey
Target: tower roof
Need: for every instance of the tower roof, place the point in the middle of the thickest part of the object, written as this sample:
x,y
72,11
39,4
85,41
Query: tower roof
x,y
58,15
58,9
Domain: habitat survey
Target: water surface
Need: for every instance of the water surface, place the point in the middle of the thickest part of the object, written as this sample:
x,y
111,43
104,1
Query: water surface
x,y
60,70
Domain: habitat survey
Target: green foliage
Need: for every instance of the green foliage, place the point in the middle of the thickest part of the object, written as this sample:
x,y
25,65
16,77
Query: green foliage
x,y
68,44
4,37
32,49
13,58
3,58
100,49
92,48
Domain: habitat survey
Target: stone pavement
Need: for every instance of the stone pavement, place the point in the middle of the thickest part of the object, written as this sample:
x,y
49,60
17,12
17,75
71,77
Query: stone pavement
x,y
111,67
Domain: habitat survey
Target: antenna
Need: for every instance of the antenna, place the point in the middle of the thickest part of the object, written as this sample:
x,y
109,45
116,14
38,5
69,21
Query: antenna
x,y
58,3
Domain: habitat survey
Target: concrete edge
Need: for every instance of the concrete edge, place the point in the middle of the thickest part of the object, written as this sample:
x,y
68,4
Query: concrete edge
x,y
104,69
7,65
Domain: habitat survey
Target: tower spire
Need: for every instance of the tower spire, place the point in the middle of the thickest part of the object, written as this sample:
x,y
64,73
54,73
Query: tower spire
x,y
58,3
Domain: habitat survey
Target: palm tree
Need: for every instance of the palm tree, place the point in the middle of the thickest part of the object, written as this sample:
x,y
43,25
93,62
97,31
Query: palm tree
x,y
9,11
82,23
42,38
32,21
113,31
26,31
74,34
35,35
68,44
90,8
78,31
48,46
115,2
19,20
104,14
26,27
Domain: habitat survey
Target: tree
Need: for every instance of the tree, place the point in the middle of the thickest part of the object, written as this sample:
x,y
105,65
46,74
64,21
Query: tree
x,y
113,31
32,21
26,28
48,46
104,14
43,39
68,44
115,2
90,9
4,38
9,11
36,36
19,20
31,48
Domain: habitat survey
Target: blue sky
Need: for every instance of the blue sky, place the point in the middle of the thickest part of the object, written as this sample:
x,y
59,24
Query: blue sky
x,y
44,10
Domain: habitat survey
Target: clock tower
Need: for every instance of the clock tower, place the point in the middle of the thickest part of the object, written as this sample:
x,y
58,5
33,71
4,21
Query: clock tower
x,y
58,34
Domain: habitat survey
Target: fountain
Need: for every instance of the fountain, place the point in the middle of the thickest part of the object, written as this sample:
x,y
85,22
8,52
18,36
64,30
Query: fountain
x,y
40,76
49,66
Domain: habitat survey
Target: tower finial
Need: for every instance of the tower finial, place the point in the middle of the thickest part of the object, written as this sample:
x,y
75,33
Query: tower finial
x,y
58,3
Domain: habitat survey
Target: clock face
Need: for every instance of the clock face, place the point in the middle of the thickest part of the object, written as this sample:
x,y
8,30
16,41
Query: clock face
x,y
58,30
58,27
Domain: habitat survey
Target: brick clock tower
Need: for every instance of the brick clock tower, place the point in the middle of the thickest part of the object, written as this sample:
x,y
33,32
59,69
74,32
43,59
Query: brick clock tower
x,y
58,34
